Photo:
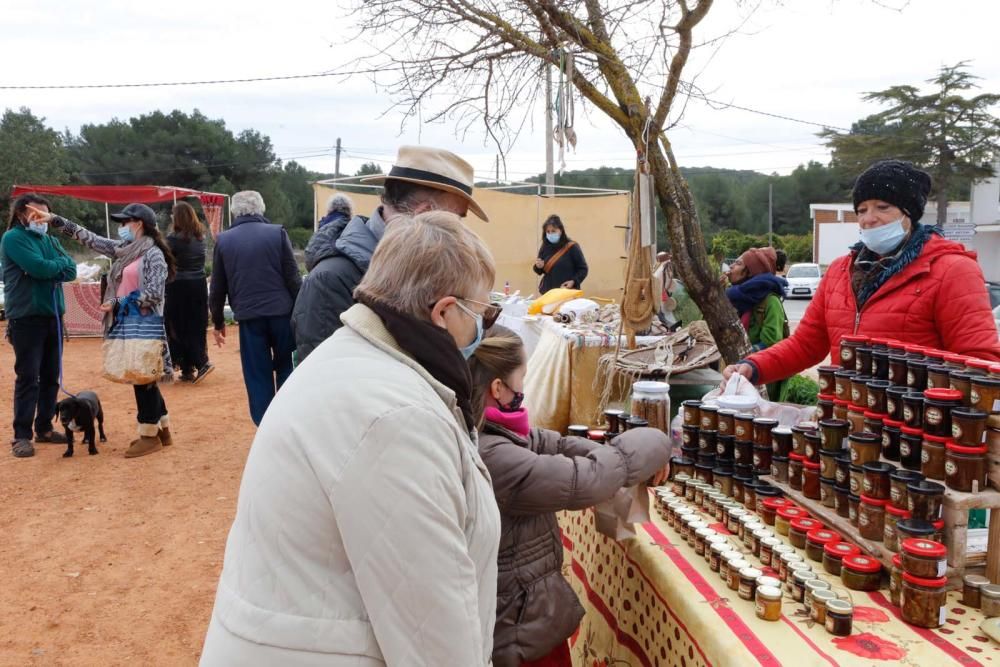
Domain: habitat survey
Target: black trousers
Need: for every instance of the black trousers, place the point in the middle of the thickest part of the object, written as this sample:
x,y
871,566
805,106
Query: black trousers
x,y
36,367
185,315
149,403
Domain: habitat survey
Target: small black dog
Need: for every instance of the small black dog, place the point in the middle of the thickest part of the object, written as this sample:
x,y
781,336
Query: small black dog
x,y
77,414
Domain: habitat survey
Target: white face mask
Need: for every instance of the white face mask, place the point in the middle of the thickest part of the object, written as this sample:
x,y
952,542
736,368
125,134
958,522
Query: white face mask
x,y
40,228
883,240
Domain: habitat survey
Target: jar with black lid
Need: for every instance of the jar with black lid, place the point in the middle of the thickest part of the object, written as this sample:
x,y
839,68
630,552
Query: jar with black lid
x,y
843,474
968,426
848,350
681,464
691,452
897,369
853,503
813,446
824,407
985,394
832,434
762,459
725,446
707,440
913,409
795,468
874,423
877,397
708,458
828,465
863,360
827,379
939,377
613,418
856,479
765,491
781,441
709,417
703,472
727,422
894,402
739,485
932,456
859,389
910,443
692,413
899,479
891,431
689,435
876,480
827,493
916,374
842,494
925,500
743,452
842,384
865,447
938,404
577,430
743,426
779,469
907,528
635,422
762,427
880,364
810,480
962,381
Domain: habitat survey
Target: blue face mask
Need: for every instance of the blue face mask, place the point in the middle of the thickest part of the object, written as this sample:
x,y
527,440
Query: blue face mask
x,y
883,240
40,228
125,233
470,349
553,237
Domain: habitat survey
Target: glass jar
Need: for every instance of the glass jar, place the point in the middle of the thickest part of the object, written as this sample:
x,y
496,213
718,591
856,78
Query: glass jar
x,y
689,435
915,528
871,518
779,469
759,536
910,445
966,468
880,364
848,350
812,587
861,573
750,495
733,569
789,563
813,447
739,486
743,426
865,448
843,473
799,579
709,417
810,480
816,541
856,479
703,472
743,452
748,582
877,397
767,546
863,360
769,509
985,394
828,464
939,377
874,423
897,369
722,480
827,379
799,439
827,493
795,469
922,601
762,459
748,519
762,427
680,482
726,420
817,605
768,603
890,536
924,558
876,482
692,413
938,404
925,500
748,530
962,381
725,446
799,529
894,402
681,465
913,409
633,422
895,579
842,384
916,374
990,600
971,589
835,552
715,554
781,441
840,409
707,440
890,439
839,618
899,479
700,537
842,503
859,390
968,426
853,503
577,430
856,418
932,456
785,516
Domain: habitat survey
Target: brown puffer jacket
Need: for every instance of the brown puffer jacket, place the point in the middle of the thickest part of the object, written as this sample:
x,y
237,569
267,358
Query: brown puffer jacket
x,y
533,479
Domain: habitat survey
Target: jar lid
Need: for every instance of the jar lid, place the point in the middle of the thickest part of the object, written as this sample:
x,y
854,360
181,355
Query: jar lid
x,y
738,564
864,437
897,512
940,439
975,580
822,536
981,364
840,403
952,358
943,394
771,542
922,548
927,583
915,527
938,525
720,547
596,435
709,408
878,467
995,368
823,595
792,512
781,430
839,607
776,503
985,381
959,449
809,465
651,387
904,475
772,593
841,549
751,573
854,407
805,524
762,533
990,590
704,532
768,581
970,413
880,416
874,502
765,421
791,557
783,549
854,339
897,560
892,423
722,471
804,575
797,457
863,564
817,584
925,487
909,430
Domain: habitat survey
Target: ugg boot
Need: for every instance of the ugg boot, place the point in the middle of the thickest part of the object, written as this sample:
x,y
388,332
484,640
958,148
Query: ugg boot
x,y
147,443
164,431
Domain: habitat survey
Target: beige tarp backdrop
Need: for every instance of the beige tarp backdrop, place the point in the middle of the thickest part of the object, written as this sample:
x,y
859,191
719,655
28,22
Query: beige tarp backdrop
x,y
515,230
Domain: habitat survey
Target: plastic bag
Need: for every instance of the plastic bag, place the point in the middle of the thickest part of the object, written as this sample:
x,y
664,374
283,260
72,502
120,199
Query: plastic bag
x,y
616,517
787,414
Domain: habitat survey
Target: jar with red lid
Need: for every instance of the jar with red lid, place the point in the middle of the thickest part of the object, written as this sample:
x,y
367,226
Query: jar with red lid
x,y
784,517
743,426
910,444
916,374
743,452
894,402
835,552
856,418
840,409
932,456
890,536
859,390
895,579
966,468
810,480
827,380
762,427
865,448
842,384
922,601
795,470
816,541
848,350
938,404
968,426
954,361
876,483
770,507
934,355
925,500
924,558
891,432
813,446
861,573
939,377
799,529
871,518
897,368
863,360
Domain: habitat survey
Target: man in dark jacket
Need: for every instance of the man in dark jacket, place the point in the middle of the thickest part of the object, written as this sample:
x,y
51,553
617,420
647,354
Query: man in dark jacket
x,y
34,265
254,266
339,253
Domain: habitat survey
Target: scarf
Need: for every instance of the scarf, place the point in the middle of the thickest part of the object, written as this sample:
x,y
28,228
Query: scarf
x,y
433,348
125,255
869,271
515,422
749,293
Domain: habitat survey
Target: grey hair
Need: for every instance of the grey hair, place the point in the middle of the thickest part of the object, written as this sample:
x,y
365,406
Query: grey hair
x,y
340,204
247,202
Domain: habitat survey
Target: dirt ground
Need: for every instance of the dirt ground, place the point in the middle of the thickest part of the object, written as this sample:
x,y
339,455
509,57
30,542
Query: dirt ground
x,y
108,561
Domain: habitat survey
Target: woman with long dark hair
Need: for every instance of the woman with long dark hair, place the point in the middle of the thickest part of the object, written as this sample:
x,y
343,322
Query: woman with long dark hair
x,y
141,263
185,313
560,260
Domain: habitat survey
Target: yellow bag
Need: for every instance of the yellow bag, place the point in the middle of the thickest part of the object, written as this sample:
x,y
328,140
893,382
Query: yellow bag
x,y
549,302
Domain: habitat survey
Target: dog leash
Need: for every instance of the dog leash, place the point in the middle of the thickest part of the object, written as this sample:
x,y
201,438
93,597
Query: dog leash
x,y
55,309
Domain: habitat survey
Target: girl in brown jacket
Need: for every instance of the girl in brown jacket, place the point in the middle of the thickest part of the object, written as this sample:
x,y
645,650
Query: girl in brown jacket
x,y
537,473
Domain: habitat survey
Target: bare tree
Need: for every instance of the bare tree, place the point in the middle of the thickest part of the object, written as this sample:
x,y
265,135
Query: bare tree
x,y
480,60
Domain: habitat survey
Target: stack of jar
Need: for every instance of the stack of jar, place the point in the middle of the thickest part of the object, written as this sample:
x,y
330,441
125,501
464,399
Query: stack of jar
x,y
919,583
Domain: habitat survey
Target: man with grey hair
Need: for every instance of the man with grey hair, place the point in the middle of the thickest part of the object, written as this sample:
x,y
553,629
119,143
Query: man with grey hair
x,y
254,266
338,213
422,179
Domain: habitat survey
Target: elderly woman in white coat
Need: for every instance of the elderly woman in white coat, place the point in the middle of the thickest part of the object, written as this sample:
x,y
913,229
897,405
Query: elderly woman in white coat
x,y
366,531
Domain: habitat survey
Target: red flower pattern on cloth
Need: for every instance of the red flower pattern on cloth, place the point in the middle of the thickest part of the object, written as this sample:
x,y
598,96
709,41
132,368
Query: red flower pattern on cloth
x,y
870,615
867,645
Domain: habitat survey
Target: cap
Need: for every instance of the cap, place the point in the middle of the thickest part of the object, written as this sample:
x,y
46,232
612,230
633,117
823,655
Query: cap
x,y
135,212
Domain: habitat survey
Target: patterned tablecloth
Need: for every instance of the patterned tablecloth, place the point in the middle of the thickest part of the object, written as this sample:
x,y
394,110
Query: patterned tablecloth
x,y
651,601
83,309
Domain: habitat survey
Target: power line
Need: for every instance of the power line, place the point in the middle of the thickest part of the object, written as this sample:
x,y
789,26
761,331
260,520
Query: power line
x,y
163,84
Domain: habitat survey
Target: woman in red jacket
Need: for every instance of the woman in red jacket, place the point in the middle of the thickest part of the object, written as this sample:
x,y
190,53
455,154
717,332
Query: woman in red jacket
x,y
902,281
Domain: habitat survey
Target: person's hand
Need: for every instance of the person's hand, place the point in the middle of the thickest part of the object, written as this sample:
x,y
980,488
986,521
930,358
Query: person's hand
x,y
539,263
38,215
106,307
661,476
569,284
220,337
746,370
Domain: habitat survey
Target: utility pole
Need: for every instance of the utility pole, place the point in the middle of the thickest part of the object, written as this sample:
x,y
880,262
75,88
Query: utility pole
x,y
498,169
336,168
550,178
770,214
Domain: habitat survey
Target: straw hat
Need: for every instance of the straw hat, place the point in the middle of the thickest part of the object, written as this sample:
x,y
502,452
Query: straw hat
x,y
433,168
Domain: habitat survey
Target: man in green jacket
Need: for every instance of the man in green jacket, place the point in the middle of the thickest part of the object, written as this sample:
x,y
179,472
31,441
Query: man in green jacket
x,y
34,265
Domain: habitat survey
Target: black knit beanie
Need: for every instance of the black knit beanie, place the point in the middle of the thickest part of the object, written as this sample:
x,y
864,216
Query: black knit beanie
x,y
896,182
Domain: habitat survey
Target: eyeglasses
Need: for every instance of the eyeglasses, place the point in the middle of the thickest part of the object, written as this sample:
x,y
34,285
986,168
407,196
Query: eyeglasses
x,y
490,314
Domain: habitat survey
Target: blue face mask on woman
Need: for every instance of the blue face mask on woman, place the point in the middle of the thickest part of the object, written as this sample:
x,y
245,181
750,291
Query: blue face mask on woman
x,y
470,349
883,240
125,233
553,237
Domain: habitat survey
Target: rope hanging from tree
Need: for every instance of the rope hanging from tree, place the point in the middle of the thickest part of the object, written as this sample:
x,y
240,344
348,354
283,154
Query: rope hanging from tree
x,y
565,112
638,302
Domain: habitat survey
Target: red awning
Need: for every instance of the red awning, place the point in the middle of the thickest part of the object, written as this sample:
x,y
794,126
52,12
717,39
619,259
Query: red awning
x,y
113,194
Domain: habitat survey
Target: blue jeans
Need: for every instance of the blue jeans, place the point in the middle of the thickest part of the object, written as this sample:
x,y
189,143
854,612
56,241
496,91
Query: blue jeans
x,y
266,345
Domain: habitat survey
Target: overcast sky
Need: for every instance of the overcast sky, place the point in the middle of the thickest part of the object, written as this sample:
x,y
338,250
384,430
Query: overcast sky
x,y
807,59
